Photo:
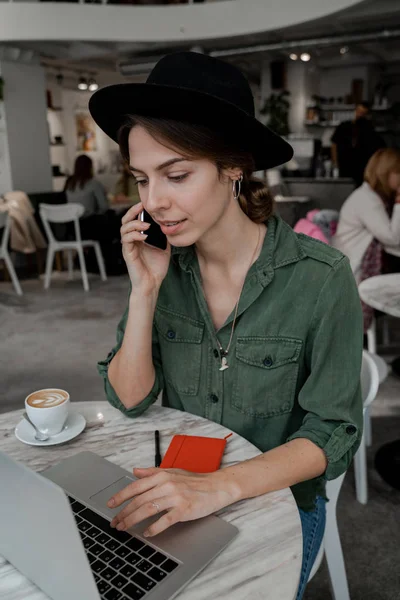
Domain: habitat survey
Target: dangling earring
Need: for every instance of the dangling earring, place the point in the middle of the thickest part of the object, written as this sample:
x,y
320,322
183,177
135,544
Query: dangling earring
x,y
236,187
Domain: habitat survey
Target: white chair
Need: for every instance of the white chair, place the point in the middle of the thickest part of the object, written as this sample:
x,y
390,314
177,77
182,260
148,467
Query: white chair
x,y
383,371
331,545
279,189
369,390
65,213
5,222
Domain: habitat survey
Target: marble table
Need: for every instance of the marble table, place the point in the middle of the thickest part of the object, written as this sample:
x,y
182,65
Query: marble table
x,y
262,563
382,292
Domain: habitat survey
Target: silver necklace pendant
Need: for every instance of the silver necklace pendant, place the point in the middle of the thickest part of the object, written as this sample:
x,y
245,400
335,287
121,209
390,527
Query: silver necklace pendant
x,y
224,364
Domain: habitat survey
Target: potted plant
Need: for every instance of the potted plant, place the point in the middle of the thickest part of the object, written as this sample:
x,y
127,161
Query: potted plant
x,y
276,109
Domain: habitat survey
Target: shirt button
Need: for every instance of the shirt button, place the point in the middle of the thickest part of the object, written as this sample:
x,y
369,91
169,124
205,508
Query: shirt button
x,y
216,353
214,398
268,362
351,429
171,334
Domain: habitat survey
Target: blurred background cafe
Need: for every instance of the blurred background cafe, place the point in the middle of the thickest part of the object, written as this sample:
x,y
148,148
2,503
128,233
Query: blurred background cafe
x,y
325,75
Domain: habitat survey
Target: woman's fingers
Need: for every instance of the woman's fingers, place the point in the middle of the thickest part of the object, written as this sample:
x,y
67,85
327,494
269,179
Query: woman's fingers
x,y
135,488
133,236
132,213
170,518
146,510
134,226
139,501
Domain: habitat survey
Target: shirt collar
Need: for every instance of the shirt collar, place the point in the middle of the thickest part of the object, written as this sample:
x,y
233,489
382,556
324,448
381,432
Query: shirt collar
x,y
281,247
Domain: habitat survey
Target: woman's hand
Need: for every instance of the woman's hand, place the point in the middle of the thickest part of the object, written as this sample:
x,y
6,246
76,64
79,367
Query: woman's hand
x,y
147,266
183,495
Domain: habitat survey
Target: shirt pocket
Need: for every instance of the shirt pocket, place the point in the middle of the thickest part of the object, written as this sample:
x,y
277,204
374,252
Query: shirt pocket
x,y
265,377
180,339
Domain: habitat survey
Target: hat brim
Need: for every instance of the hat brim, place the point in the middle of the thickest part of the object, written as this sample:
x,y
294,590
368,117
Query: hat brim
x,y
110,107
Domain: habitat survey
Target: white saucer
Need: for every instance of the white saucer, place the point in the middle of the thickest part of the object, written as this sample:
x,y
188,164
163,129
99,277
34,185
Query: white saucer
x,y
74,425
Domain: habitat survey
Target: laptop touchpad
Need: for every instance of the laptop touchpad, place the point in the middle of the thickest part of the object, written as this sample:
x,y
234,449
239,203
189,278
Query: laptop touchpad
x,y
101,498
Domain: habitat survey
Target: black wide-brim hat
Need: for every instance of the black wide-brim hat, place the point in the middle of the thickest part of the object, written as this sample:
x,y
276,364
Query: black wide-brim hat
x,y
197,89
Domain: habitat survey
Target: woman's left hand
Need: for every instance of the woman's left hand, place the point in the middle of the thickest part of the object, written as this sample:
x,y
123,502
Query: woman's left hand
x,y
183,495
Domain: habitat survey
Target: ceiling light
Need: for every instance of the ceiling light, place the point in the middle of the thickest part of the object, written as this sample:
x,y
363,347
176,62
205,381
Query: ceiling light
x,y
293,56
344,49
82,84
305,57
93,86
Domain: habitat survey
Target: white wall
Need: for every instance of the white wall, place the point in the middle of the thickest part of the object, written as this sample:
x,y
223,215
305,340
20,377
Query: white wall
x,y
63,21
62,123
27,130
337,82
303,81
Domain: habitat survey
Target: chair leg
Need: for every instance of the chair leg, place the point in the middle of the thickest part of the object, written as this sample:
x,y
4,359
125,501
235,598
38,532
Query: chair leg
x,y
335,561
49,267
12,273
360,472
385,331
100,261
368,427
371,336
70,265
83,268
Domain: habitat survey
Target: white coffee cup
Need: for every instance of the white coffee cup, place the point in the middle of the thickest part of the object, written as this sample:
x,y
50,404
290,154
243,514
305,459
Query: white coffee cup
x,y
48,409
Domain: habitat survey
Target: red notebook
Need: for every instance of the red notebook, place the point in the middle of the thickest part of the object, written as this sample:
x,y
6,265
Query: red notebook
x,y
194,453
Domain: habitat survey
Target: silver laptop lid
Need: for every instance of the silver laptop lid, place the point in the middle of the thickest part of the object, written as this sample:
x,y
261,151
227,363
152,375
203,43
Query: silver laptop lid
x,y
39,536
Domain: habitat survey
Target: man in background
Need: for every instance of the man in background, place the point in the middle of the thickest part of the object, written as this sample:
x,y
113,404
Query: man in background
x,y
353,144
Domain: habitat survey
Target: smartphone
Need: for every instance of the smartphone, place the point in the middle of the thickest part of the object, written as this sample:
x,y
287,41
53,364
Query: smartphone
x,y
155,237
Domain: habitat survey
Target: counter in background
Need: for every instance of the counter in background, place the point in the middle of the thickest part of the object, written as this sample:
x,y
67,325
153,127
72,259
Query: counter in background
x,y
321,193
324,192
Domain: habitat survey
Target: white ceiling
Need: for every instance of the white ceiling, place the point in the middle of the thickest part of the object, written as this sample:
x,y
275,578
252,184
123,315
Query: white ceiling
x,y
370,16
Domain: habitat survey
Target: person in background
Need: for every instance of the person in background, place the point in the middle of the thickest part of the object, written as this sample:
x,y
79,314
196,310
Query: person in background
x,y
370,218
353,144
81,187
98,222
126,189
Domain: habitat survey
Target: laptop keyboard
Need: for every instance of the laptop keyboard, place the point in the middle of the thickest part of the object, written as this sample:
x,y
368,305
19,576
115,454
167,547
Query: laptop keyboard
x,y
124,567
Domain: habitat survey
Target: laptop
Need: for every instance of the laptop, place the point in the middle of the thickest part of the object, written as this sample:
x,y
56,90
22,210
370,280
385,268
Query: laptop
x,y
55,529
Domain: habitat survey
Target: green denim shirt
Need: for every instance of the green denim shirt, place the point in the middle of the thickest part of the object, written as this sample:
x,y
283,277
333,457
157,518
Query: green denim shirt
x,y
295,358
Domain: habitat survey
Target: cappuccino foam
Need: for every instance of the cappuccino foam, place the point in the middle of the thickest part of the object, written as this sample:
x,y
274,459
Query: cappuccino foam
x,y
47,398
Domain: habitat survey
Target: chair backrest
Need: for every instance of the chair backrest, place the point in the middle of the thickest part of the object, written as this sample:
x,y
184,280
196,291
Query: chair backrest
x,y
4,223
369,379
61,213
369,388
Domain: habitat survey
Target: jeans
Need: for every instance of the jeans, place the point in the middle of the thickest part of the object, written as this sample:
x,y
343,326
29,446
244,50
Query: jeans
x,y
313,528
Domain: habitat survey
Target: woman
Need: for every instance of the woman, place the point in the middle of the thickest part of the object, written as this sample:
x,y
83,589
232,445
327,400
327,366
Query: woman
x,y
240,320
84,189
97,222
370,219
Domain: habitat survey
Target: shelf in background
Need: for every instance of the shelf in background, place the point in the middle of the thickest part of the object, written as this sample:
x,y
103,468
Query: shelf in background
x,y
345,107
313,124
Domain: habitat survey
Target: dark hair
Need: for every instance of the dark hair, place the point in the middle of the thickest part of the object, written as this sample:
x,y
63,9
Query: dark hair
x,y
198,141
83,172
